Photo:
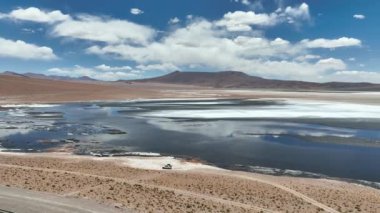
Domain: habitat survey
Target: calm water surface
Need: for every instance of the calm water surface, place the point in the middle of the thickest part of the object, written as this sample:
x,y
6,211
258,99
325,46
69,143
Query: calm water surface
x,y
271,136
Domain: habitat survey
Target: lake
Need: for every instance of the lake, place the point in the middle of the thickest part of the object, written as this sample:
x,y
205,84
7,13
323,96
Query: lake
x,y
291,137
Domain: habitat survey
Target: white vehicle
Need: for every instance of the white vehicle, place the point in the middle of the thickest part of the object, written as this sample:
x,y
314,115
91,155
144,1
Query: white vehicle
x,y
167,166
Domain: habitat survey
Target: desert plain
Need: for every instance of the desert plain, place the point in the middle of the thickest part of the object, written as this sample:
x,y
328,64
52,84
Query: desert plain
x,y
138,184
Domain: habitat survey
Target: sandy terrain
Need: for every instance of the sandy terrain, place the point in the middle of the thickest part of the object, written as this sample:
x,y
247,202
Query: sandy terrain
x,y
14,89
190,188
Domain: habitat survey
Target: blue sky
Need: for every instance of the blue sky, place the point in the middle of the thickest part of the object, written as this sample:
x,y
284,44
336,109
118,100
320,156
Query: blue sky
x,y
319,40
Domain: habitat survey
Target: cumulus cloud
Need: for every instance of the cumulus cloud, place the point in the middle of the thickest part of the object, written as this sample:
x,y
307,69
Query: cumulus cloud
x,y
136,11
111,73
86,27
292,14
256,4
197,43
201,44
101,29
244,20
245,2
36,15
359,16
331,64
354,76
307,57
104,67
174,20
158,67
79,71
331,43
23,50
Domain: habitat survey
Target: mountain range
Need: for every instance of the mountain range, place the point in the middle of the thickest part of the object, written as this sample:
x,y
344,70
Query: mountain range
x,y
223,79
234,79
48,77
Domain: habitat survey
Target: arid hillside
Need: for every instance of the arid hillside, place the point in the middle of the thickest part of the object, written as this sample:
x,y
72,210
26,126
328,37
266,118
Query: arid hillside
x,y
233,79
29,89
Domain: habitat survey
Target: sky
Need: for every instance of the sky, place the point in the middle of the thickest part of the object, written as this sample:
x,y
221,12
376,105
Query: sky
x,y
310,40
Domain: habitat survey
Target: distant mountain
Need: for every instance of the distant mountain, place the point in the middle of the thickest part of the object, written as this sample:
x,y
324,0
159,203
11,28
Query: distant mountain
x,y
233,79
9,73
224,79
48,77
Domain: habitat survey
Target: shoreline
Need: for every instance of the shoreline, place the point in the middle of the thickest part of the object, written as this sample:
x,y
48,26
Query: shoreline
x,y
153,162
194,173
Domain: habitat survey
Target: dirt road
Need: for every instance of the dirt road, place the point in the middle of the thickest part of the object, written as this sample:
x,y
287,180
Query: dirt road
x,y
25,201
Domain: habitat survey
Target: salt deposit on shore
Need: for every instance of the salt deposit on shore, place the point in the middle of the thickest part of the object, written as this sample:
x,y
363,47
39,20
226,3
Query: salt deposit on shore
x,y
285,109
156,163
28,105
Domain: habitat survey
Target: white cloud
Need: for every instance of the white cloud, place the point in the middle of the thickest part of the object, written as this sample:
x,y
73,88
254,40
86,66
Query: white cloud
x,y
95,28
174,20
28,30
79,71
359,16
307,57
354,76
331,64
297,13
32,30
243,21
331,43
104,67
352,59
279,42
87,27
136,11
256,4
23,50
200,44
166,67
245,2
36,15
